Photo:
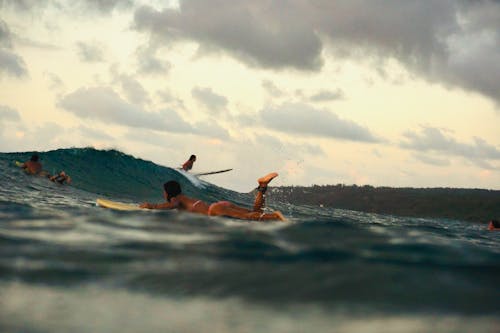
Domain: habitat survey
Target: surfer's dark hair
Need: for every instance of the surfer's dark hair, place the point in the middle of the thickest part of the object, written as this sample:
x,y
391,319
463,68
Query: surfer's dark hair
x,y
192,157
172,188
34,158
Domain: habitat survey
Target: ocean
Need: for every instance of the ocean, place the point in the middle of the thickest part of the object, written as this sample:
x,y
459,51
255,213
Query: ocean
x,y
67,265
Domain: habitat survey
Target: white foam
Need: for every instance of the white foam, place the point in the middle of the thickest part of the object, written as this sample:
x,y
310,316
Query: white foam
x,y
192,178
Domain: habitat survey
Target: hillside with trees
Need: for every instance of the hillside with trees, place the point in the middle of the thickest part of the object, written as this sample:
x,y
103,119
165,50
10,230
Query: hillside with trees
x,y
475,205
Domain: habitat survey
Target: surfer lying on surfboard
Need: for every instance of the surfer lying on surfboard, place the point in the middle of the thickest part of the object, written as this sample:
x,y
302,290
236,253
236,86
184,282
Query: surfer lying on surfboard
x,y
33,166
175,199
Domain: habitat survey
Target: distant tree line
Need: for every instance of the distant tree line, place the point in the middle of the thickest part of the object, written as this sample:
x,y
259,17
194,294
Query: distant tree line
x,y
476,205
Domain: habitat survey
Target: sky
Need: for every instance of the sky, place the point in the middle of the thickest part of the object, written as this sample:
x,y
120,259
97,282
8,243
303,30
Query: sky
x,y
366,92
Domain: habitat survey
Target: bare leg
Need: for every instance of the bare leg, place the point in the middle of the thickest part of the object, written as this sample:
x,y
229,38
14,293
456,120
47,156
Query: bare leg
x,y
245,214
228,209
257,214
261,190
274,216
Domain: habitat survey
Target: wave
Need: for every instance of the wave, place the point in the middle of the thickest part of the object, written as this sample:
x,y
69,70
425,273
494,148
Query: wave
x,y
114,174
55,244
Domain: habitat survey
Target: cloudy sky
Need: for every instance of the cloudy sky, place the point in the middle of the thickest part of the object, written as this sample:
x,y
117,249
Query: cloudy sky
x,y
379,92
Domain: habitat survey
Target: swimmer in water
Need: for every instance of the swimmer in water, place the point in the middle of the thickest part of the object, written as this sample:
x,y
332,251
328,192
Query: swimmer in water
x,y
60,178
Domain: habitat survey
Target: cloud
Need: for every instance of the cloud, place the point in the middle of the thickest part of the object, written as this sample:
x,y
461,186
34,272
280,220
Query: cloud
x,y
102,6
106,5
210,129
132,88
246,120
166,97
90,52
6,39
54,81
46,136
95,134
149,64
454,42
260,33
12,64
272,89
26,42
430,139
47,132
8,114
306,120
287,148
476,58
105,105
5,35
157,139
327,95
23,5
211,100
432,160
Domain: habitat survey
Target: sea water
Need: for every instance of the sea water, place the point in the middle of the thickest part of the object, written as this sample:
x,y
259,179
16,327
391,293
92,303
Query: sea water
x,y
69,266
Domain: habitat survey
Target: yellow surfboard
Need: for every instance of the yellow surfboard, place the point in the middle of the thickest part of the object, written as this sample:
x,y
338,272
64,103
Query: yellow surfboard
x,y
117,205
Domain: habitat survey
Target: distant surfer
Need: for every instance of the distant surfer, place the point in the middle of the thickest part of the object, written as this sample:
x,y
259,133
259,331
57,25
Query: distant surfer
x,y
176,200
33,166
494,225
60,178
188,165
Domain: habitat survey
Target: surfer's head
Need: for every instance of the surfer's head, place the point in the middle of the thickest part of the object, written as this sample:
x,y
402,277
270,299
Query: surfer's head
x,y
34,158
172,189
192,158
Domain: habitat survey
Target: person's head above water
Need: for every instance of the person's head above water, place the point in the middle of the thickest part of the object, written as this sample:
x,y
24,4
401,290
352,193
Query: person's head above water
x,y
34,158
172,189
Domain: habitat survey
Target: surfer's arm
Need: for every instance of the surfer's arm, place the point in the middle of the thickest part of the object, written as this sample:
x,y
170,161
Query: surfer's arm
x,y
164,205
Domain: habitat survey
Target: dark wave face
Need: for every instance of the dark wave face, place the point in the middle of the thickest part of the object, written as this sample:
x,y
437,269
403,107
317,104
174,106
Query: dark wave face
x,y
67,265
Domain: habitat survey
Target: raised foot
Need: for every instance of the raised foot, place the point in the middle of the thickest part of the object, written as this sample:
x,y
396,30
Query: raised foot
x,y
263,181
